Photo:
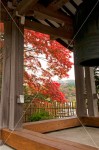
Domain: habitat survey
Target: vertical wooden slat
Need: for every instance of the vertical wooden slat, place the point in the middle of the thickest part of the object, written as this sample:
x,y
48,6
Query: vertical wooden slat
x,y
73,107
30,108
62,110
53,107
16,85
65,110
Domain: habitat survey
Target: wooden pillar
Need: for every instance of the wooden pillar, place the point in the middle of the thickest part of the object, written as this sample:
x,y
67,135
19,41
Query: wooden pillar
x,y
80,90
91,92
5,88
12,78
16,81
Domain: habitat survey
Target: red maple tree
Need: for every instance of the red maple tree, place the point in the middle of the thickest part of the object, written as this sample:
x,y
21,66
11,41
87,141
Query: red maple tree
x,y
39,47
49,90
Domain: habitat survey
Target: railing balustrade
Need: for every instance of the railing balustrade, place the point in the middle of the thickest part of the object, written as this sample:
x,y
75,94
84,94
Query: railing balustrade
x,y
55,109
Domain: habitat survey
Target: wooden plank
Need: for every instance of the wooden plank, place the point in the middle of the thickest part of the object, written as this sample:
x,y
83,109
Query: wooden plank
x,y
90,121
23,139
66,33
52,125
91,91
41,12
16,81
56,4
25,5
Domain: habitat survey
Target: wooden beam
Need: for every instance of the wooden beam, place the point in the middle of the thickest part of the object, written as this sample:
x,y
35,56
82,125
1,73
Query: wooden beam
x,y
56,4
24,139
25,5
52,125
90,121
65,33
41,12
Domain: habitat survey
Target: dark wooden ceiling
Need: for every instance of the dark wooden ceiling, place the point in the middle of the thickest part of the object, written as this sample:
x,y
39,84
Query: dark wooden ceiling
x,y
54,17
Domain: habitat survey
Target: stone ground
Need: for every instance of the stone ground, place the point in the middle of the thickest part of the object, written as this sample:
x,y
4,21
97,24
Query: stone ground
x,y
84,135
5,147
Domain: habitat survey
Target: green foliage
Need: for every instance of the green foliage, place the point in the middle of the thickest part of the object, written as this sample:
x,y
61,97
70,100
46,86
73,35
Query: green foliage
x,y
27,97
40,96
41,115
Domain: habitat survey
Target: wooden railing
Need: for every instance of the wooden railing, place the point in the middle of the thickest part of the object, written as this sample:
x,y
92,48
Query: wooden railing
x,y
55,109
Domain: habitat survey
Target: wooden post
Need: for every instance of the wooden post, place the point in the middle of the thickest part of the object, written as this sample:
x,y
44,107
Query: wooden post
x,y
5,90
12,78
91,92
16,82
80,90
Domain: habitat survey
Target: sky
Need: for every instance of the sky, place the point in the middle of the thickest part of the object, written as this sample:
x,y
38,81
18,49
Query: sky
x,y
71,72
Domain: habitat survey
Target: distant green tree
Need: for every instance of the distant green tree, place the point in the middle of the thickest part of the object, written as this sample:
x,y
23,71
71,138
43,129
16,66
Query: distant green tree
x,y
68,88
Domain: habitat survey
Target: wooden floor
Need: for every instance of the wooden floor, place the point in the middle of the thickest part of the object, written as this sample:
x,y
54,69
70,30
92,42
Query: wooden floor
x,y
33,137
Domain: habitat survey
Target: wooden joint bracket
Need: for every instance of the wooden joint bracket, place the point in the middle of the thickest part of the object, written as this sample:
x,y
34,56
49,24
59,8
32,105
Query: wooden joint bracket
x,y
22,18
